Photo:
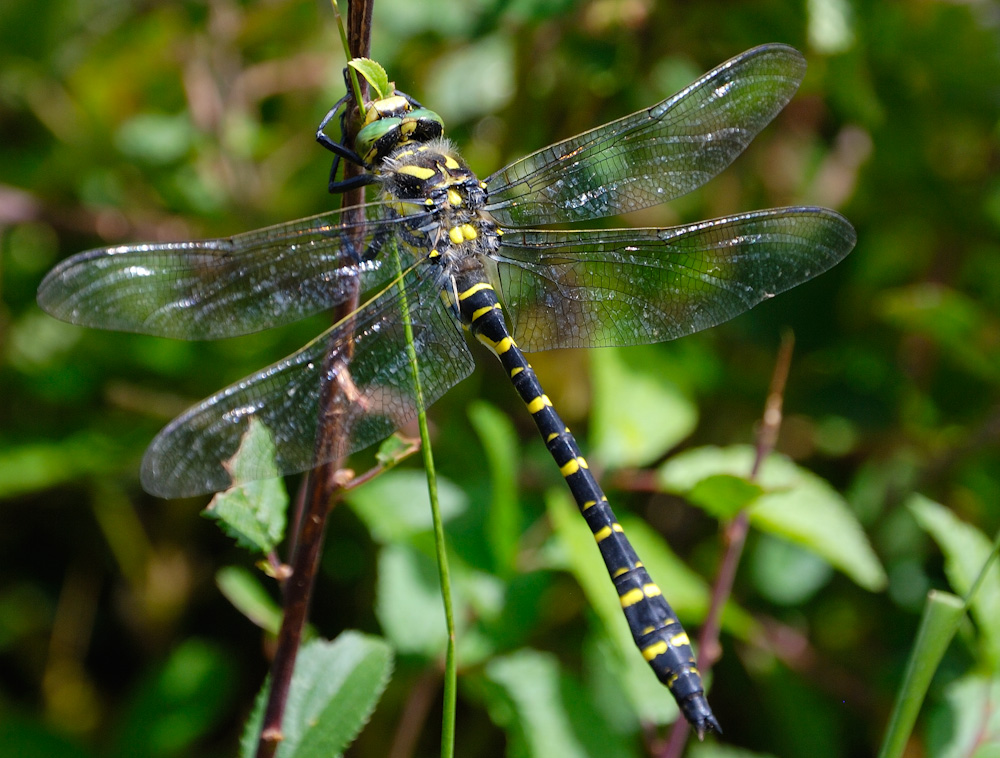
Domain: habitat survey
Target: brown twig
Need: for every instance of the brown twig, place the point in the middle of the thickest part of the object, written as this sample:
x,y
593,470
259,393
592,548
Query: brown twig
x,y
322,481
734,537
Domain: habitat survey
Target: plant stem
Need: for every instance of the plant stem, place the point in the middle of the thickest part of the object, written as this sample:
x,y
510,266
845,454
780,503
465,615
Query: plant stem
x,y
734,538
322,481
450,675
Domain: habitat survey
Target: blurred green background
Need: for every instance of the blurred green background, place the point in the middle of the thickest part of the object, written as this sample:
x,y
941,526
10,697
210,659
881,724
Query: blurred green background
x,y
122,122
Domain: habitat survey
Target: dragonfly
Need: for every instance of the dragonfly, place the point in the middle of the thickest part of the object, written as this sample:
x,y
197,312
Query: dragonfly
x,y
435,254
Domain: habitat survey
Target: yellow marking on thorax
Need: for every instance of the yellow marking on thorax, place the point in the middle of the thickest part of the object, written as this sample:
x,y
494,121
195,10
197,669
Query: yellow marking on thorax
x,y
538,403
469,231
420,172
455,235
451,162
454,198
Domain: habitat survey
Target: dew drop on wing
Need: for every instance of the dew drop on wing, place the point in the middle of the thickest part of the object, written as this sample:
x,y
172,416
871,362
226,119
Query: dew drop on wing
x,y
723,89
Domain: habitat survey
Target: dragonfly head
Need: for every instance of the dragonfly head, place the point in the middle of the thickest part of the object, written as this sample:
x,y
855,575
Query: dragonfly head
x,y
391,122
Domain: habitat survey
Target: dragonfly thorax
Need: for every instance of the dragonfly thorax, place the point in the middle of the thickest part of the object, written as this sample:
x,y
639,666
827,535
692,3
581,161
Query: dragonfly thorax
x,y
432,173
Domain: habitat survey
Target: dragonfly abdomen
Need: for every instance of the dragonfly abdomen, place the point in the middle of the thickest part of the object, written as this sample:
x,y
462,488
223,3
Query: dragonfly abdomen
x,y
658,634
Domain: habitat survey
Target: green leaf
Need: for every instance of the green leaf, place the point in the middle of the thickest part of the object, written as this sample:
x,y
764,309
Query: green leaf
x,y
796,504
966,550
637,416
375,75
968,723
395,449
253,514
247,595
334,690
497,435
785,573
542,710
178,704
408,601
724,495
941,617
395,506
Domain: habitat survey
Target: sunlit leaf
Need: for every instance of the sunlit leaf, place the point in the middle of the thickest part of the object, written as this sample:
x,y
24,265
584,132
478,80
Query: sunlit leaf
x,y
253,514
966,550
334,690
636,415
795,504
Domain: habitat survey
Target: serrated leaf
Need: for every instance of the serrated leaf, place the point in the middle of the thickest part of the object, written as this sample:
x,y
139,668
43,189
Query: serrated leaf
x,y
374,74
333,692
636,415
253,514
244,591
395,505
796,504
966,550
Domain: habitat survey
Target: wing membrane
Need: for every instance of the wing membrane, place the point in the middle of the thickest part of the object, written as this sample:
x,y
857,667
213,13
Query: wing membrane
x,y
372,391
217,288
654,155
636,286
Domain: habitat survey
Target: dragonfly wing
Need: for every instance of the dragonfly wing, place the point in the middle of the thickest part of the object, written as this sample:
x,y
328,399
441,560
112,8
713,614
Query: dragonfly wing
x,y
654,155
636,286
371,393
218,288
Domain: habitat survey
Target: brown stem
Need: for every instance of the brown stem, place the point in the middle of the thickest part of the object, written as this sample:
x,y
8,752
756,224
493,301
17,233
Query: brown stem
x,y
322,481
709,649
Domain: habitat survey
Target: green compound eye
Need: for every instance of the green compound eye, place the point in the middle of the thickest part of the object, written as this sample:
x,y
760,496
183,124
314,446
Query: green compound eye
x,y
375,141
427,117
369,142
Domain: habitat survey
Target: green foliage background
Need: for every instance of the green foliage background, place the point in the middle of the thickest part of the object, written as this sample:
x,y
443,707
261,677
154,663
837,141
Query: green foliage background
x,y
122,122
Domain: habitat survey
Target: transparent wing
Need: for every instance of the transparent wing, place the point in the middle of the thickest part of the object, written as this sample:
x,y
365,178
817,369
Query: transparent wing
x,y
636,286
218,288
372,393
654,155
